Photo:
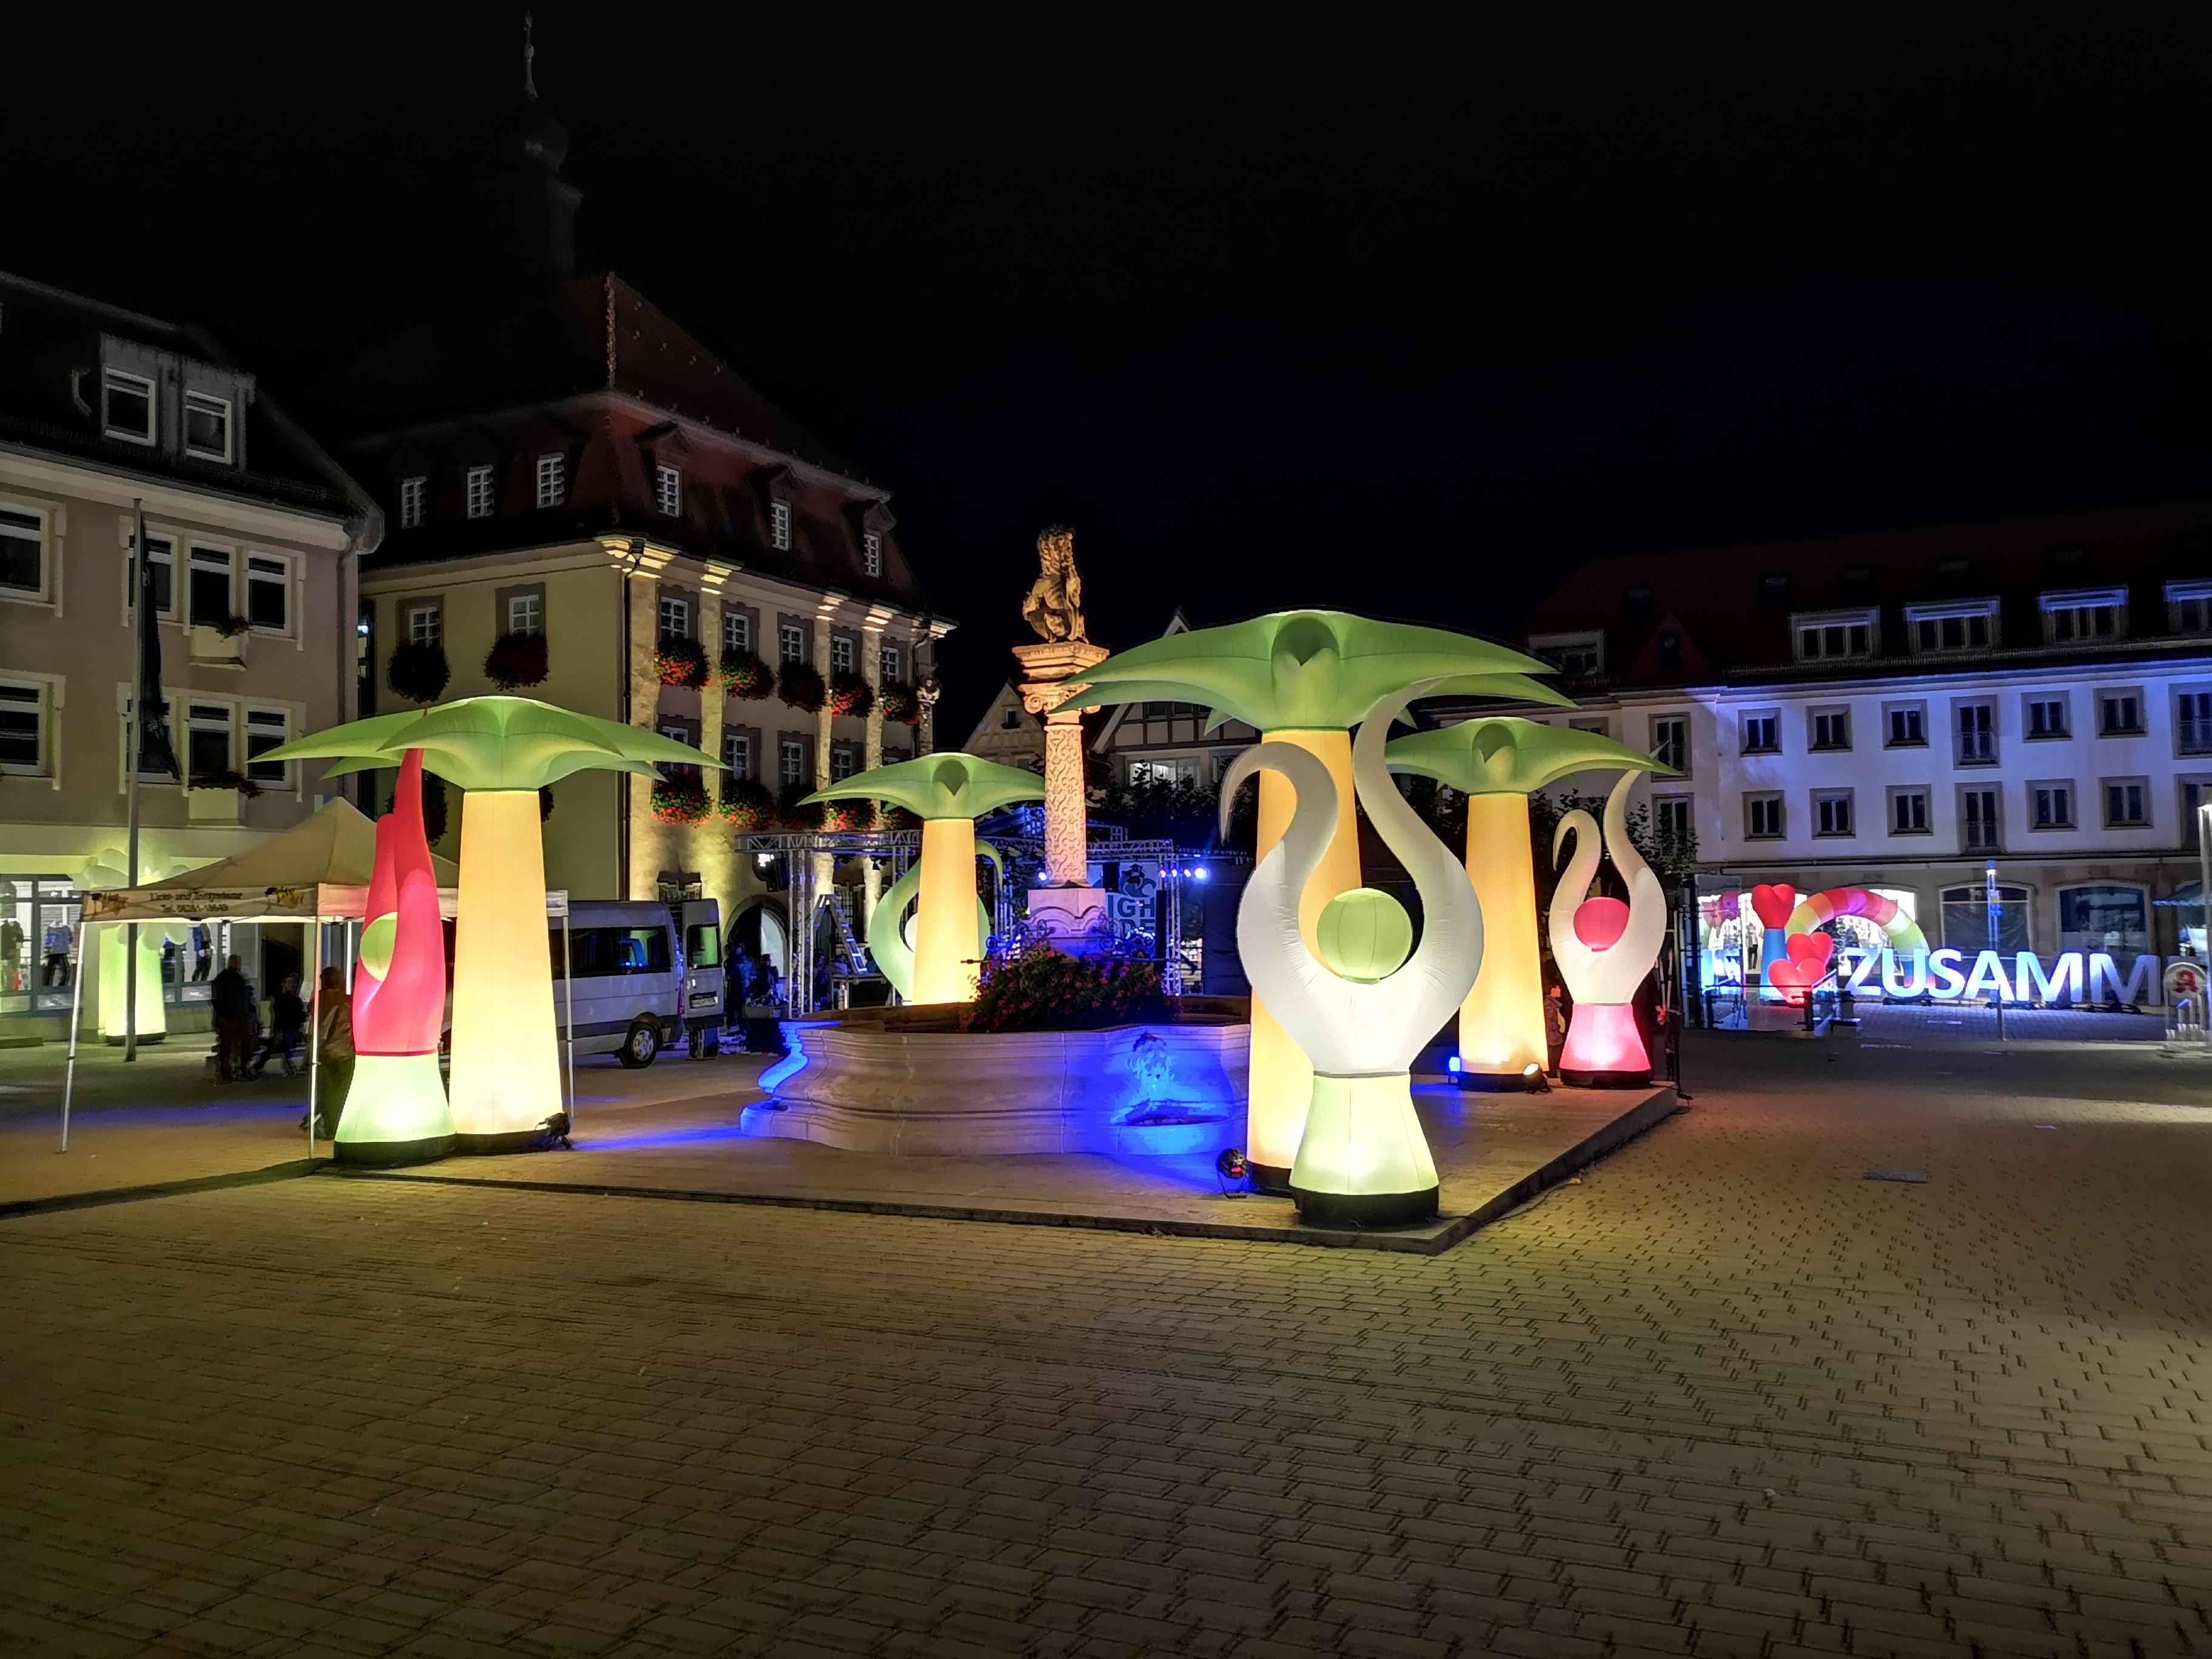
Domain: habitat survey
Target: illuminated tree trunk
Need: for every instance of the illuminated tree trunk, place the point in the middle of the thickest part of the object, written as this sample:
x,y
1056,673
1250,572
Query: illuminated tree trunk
x,y
945,944
1501,1024
1281,1077
506,1074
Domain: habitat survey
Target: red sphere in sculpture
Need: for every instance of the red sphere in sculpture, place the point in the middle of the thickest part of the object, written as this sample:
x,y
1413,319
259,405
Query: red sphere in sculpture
x,y
1600,922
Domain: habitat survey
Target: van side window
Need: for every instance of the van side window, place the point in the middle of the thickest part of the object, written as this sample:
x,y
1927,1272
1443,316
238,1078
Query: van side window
x,y
602,952
702,946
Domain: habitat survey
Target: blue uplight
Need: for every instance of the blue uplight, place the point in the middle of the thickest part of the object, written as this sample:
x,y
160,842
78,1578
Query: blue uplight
x,y
790,1065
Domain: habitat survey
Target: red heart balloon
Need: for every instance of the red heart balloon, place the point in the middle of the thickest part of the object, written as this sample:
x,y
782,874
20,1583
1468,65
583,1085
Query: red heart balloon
x,y
1772,905
1811,950
1791,977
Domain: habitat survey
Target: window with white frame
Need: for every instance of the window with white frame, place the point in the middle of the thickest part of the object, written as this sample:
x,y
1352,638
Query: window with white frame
x,y
126,406
737,631
792,640
794,760
210,591
1834,636
872,554
1579,656
779,526
23,727
162,554
479,484
525,612
675,618
23,553
2119,714
1908,809
1977,728
842,763
207,739
890,665
1762,733
2192,722
2127,804
411,502
1965,625
737,755
1832,728
269,593
1670,817
2050,805
2194,792
1908,725
1670,742
207,427
668,491
841,654
2189,607
2048,716
1762,816
2085,614
1831,813
267,729
426,624
1174,769
552,480
1977,819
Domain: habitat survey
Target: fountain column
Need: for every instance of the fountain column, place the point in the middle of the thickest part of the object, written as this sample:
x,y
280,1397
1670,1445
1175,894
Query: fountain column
x,y
1066,905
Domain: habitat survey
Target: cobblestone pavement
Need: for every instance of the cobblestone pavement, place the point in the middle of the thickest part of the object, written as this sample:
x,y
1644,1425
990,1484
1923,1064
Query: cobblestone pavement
x,y
1727,1396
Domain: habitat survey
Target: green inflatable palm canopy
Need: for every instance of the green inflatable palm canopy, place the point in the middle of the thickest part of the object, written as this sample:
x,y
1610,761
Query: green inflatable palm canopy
x,y
494,742
1503,755
946,785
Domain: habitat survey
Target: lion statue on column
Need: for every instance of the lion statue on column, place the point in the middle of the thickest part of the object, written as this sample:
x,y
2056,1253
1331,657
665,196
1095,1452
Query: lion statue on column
x,y
1055,606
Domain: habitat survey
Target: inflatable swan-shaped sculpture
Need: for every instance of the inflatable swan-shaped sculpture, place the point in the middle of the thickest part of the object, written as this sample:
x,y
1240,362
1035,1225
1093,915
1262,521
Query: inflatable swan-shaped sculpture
x,y
1363,1011
1605,948
890,930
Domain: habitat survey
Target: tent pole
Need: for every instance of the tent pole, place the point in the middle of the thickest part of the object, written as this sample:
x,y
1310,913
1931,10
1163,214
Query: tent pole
x,y
77,1010
569,990
315,1039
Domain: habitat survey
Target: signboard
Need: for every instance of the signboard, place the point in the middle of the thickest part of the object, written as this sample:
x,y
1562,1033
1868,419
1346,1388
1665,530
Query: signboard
x,y
1130,887
2076,976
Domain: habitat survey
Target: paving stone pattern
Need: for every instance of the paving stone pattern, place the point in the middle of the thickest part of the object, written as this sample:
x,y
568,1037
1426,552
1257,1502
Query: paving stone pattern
x,y
1726,1397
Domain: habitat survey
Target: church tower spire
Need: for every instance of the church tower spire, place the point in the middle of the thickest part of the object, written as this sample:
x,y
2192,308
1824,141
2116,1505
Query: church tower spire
x,y
539,217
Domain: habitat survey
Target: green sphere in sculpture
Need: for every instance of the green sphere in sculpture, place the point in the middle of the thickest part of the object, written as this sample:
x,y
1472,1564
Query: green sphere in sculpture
x,y
1364,935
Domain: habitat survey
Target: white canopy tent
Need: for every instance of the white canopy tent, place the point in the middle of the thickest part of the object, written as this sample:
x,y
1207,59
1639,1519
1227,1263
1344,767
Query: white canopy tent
x,y
315,873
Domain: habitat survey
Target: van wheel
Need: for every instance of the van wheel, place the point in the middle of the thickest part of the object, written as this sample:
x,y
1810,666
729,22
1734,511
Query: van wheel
x,y
642,1045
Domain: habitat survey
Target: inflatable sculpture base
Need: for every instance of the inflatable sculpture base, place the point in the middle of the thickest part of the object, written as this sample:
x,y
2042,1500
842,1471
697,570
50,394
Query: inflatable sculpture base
x,y
1363,1161
1604,1049
393,1096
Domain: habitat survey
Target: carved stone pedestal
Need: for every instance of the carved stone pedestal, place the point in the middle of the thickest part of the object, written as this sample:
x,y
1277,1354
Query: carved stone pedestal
x,y
1065,907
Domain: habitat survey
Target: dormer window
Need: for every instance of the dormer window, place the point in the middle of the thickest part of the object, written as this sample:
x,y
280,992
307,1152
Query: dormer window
x,y
2189,607
1832,635
1577,656
479,492
779,526
126,406
411,502
872,554
1636,601
2084,614
1939,630
552,480
207,427
668,491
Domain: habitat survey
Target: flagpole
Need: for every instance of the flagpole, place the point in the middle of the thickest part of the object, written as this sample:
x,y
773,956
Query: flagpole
x,y
135,761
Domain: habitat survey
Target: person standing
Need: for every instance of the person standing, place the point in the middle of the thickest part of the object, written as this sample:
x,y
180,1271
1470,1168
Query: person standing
x,y
334,1046
57,969
233,1021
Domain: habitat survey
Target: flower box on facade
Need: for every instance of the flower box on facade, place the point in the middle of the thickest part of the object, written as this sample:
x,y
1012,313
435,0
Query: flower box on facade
x,y
214,806
680,662
744,675
851,695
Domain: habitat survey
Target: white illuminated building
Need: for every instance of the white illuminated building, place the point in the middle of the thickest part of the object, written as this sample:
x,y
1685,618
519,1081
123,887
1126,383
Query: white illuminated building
x,y
1901,711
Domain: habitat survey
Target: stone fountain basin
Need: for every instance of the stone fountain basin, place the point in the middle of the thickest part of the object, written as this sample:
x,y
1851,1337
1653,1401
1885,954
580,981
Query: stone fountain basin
x,y
904,1080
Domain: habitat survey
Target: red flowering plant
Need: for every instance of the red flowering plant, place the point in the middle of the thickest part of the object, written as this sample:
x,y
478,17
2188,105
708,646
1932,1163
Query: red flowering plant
x,y
800,685
746,806
516,661
849,815
899,702
680,799
1027,986
796,812
850,695
680,661
746,675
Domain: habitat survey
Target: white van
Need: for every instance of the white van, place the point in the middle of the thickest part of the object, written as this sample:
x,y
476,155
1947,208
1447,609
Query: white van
x,y
638,987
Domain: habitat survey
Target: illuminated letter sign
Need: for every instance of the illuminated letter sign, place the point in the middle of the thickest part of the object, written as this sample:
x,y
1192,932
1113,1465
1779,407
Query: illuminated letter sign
x,y
1937,975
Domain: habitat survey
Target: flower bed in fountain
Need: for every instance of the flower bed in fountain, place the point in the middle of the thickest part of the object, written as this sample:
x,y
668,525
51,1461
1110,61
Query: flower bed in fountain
x,y
909,1081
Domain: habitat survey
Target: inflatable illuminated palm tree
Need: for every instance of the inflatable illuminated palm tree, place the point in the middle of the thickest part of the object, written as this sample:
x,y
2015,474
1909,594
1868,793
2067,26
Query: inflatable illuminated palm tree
x,y
1304,677
1496,763
505,1079
948,792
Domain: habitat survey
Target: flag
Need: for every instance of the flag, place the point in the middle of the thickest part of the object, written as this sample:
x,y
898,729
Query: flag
x,y
156,751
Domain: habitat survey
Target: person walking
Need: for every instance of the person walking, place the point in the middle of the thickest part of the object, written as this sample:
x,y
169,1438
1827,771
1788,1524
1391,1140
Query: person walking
x,y
334,1045
233,1021
288,1019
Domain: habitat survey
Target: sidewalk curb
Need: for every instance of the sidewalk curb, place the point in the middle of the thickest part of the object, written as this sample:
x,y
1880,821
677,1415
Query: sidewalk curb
x,y
162,1189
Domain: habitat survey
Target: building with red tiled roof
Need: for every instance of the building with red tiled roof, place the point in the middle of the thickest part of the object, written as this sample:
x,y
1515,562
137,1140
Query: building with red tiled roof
x,y
1904,711
575,485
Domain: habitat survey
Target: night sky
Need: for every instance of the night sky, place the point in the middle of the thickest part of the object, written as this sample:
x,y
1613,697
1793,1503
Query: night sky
x,y
1376,310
